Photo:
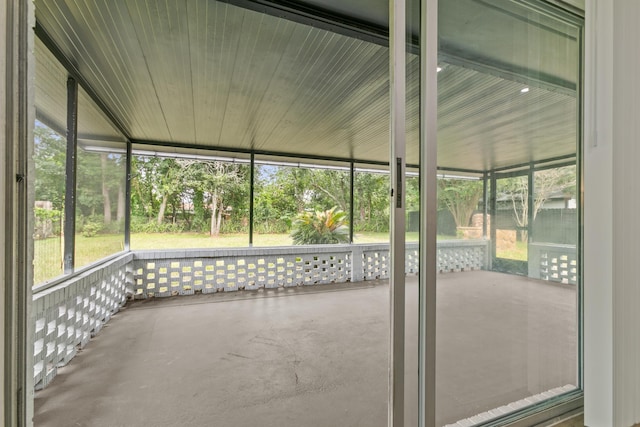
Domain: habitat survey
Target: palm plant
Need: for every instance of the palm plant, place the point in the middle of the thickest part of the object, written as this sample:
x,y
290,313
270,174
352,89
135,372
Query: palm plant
x,y
320,227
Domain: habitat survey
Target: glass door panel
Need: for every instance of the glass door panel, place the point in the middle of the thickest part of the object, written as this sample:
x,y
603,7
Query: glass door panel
x,y
508,112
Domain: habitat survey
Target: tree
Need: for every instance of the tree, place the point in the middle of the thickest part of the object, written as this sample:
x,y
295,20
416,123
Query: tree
x,y
281,193
89,197
100,177
412,191
216,181
50,160
516,190
460,197
546,183
329,188
169,183
106,199
552,181
371,202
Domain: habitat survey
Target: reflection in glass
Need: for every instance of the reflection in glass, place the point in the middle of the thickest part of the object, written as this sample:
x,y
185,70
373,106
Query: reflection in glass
x,y
412,207
458,203
371,213
49,160
49,164
507,299
511,219
100,205
100,185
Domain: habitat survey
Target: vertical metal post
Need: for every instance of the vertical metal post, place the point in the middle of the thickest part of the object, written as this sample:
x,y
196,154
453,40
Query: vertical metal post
x,y
531,199
397,79
428,213
70,176
352,183
485,204
127,200
580,127
251,194
492,213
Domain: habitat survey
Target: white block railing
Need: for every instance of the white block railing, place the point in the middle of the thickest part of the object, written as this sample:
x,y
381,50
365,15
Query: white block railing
x,y
553,262
68,313
169,272
164,273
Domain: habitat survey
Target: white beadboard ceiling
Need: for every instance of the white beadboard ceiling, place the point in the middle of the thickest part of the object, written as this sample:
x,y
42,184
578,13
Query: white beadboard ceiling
x,y
213,74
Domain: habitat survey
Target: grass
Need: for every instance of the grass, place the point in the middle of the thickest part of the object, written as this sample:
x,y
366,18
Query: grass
x,y
518,253
48,258
235,240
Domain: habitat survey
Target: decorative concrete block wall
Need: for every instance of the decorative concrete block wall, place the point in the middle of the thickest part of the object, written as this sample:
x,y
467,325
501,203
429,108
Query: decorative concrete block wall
x,y
165,273
553,262
68,314
168,273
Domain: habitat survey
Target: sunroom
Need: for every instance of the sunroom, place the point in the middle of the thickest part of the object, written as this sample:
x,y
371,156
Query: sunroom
x,y
177,147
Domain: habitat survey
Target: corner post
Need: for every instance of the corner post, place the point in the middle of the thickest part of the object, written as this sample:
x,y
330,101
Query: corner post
x,y
127,201
251,196
70,176
352,183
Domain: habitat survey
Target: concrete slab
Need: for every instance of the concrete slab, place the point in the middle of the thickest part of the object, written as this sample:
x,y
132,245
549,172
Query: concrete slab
x,y
315,356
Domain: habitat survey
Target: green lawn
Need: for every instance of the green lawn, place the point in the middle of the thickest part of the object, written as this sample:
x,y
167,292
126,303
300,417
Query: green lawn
x,y
518,253
233,240
48,259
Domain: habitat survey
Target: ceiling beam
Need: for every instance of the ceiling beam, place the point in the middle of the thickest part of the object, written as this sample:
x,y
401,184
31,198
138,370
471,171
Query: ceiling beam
x,y
319,18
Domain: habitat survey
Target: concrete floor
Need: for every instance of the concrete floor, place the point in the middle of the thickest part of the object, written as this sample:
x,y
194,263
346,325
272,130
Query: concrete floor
x,y
314,356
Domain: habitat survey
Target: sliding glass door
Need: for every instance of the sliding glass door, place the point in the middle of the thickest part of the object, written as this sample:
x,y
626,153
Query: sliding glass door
x,y
508,284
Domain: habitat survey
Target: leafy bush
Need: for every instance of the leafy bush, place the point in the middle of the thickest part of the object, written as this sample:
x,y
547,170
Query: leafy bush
x,y
47,222
114,227
233,223
319,227
200,225
91,228
137,222
281,225
140,224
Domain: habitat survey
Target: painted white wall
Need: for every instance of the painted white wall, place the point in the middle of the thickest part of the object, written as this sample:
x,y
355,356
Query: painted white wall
x,y
598,216
626,202
612,227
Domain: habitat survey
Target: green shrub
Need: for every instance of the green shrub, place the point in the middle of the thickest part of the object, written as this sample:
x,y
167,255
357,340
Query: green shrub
x,y
273,226
47,223
310,228
144,225
91,228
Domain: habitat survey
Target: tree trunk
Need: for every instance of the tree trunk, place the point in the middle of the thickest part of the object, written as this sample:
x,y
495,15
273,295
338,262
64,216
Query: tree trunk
x,y
219,224
215,229
163,207
121,205
106,200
